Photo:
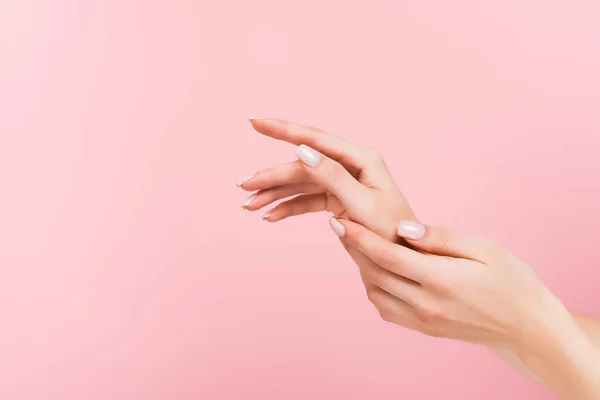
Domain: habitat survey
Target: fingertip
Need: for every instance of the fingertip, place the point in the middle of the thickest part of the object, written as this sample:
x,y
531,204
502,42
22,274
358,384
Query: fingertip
x,y
337,227
255,118
411,231
240,182
272,127
248,202
308,156
268,215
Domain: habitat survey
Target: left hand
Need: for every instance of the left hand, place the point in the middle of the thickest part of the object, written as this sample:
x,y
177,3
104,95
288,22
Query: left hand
x,y
331,174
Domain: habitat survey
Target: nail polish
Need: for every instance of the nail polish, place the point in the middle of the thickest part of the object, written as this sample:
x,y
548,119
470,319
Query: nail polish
x,y
244,179
268,214
248,201
337,227
411,230
308,156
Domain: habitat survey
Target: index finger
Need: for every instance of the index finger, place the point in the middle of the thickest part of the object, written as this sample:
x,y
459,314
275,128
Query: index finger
x,y
341,150
393,257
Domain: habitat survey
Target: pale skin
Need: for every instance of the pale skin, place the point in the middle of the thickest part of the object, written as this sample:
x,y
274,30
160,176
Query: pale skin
x,y
428,279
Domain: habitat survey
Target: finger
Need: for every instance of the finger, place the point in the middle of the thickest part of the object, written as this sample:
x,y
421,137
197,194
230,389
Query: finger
x,y
279,175
299,205
332,176
337,148
441,241
265,197
396,285
393,309
374,276
359,160
395,258
359,259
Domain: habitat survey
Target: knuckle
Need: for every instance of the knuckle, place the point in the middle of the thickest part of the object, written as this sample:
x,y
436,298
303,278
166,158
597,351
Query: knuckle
x,y
369,275
267,195
386,315
313,132
376,297
422,272
372,155
444,289
372,296
289,208
379,277
438,279
335,170
357,237
284,209
429,314
388,257
493,248
441,239
432,331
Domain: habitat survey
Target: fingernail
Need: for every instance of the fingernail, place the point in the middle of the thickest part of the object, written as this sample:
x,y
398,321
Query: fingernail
x,y
248,201
255,118
244,179
308,156
411,230
337,227
268,214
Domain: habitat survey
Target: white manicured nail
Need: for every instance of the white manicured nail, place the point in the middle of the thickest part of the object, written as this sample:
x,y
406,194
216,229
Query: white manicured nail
x,y
308,156
337,227
248,201
244,179
255,118
268,214
411,230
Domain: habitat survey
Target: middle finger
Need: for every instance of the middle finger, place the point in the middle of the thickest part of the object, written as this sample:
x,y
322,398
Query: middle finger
x,y
268,196
284,174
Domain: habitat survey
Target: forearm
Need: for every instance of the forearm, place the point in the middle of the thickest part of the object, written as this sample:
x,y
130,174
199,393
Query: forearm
x,y
576,361
569,365
590,327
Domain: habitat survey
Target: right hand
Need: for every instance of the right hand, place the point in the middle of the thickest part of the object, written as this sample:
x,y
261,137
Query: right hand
x,y
472,289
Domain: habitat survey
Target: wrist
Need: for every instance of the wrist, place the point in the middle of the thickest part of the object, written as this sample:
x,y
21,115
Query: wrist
x,y
561,355
543,321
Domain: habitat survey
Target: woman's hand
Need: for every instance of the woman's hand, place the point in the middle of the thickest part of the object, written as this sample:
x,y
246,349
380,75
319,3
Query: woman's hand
x,y
332,174
474,290
456,287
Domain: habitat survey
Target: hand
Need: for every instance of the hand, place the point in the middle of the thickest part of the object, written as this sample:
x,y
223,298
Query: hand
x,y
472,289
454,286
318,182
331,175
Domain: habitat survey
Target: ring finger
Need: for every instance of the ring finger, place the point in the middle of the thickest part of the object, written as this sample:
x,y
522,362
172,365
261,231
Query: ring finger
x,y
284,174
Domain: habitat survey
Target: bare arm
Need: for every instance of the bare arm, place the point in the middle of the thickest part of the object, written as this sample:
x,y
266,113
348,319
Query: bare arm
x,y
588,326
353,182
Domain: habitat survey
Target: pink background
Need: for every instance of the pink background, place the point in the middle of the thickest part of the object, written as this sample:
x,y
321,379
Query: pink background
x,y
128,270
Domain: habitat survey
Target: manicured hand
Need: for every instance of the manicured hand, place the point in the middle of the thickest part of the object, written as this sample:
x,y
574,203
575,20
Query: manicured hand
x,y
331,174
474,290
455,286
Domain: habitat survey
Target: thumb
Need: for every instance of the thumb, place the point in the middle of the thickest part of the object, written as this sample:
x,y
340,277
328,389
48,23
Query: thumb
x,y
332,176
440,241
